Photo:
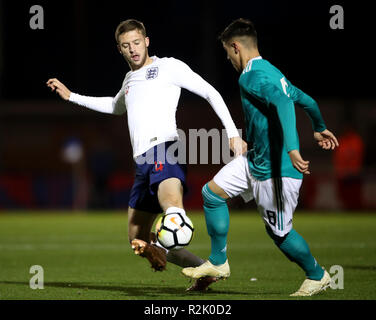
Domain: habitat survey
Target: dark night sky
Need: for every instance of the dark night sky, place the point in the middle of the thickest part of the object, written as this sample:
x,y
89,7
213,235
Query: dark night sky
x,y
78,46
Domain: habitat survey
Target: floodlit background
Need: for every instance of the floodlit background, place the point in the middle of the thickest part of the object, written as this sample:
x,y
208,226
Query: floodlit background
x,y
39,133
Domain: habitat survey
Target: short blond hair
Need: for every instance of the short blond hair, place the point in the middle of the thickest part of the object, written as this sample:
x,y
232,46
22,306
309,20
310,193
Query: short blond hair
x,y
129,25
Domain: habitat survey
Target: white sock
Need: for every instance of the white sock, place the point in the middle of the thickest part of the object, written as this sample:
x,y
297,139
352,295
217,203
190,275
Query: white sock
x,y
176,209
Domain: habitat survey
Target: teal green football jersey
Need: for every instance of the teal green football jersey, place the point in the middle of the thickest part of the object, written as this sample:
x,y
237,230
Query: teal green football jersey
x,y
268,101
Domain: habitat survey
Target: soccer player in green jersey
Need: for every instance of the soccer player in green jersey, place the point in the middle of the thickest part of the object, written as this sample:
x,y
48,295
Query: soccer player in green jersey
x,y
271,172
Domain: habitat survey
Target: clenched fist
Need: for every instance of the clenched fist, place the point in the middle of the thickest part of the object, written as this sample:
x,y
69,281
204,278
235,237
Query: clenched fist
x,y
60,88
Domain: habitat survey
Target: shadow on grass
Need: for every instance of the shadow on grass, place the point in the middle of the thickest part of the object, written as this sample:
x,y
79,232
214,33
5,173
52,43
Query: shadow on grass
x,y
138,290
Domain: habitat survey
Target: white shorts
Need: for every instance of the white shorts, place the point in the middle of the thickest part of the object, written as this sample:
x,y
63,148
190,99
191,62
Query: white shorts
x,y
276,199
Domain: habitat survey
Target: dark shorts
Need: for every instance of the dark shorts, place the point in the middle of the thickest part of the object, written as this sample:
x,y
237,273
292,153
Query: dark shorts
x,y
153,167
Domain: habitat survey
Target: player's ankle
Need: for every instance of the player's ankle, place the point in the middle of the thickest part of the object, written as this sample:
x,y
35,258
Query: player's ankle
x,y
217,261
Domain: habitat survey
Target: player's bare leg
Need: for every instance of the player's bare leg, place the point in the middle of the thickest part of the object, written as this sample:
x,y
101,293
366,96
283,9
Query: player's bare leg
x,y
170,194
139,227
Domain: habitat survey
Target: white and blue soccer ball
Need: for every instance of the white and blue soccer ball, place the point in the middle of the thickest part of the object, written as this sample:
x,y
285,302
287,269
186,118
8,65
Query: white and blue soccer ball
x,y
174,231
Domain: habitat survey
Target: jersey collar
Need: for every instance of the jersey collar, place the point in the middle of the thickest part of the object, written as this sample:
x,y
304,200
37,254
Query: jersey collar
x,y
154,58
249,64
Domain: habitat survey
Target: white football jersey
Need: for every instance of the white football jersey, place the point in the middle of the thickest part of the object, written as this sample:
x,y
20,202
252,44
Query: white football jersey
x,y
150,97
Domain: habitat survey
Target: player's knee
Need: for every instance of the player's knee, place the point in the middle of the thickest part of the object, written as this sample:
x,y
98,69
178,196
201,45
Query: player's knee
x,y
214,207
291,244
210,198
278,240
169,199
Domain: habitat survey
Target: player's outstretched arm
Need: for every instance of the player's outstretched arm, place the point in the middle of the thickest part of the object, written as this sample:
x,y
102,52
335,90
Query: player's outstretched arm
x,y
310,107
284,107
323,136
326,140
183,76
101,104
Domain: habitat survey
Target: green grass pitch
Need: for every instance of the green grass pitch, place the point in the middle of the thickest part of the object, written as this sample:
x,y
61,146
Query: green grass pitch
x,y
87,256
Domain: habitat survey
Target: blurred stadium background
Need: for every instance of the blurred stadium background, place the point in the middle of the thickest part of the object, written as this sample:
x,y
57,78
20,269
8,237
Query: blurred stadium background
x,y
77,46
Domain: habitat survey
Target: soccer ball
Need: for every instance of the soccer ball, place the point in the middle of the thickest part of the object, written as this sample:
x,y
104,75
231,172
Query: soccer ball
x,y
174,231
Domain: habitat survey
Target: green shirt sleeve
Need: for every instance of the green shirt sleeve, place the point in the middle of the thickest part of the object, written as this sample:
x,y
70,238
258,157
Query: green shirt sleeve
x,y
274,97
310,106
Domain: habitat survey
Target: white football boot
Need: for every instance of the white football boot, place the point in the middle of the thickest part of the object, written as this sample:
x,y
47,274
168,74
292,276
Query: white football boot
x,y
207,269
312,287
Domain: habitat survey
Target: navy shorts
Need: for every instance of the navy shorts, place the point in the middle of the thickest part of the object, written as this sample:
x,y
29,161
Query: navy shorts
x,y
156,165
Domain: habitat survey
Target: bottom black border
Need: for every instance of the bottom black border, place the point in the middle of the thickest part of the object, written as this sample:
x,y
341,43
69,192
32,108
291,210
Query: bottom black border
x,y
186,309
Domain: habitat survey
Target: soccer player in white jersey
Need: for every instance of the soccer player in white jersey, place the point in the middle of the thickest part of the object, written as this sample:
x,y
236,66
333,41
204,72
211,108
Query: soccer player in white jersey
x,y
150,95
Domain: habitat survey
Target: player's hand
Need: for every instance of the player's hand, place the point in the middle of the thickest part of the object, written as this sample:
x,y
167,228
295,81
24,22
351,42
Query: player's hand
x,y
298,162
61,89
326,140
238,146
